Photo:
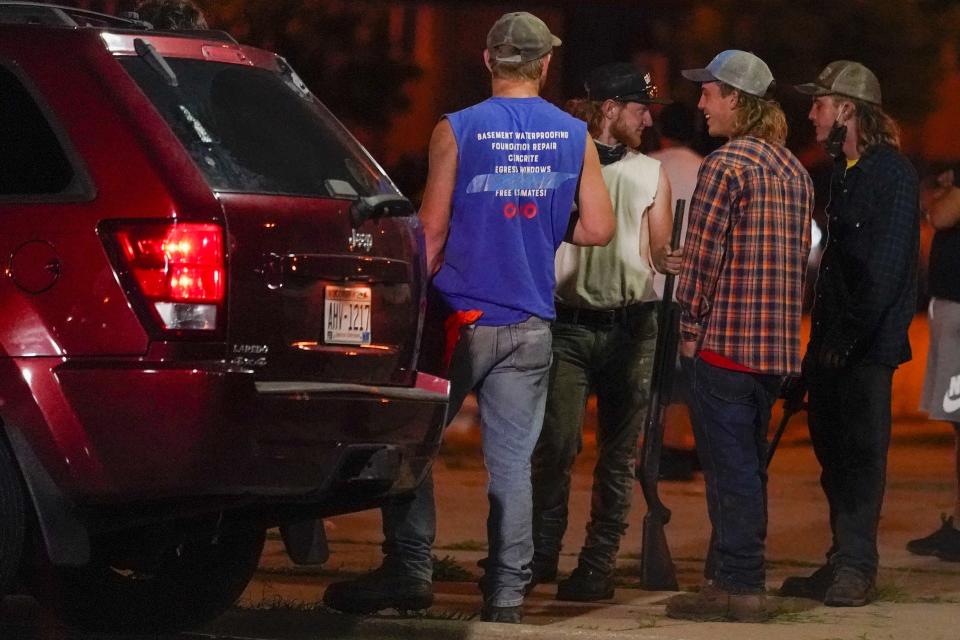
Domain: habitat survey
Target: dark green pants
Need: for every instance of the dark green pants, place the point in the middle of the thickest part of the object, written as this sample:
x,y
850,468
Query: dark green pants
x,y
615,362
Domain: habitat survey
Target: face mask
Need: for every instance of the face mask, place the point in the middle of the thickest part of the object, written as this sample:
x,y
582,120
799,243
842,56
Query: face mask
x,y
837,136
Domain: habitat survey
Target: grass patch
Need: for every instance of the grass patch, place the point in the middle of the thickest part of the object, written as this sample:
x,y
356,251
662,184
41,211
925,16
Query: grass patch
x,y
798,617
445,614
801,564
306,570
890,592
466,545
447,569
279,603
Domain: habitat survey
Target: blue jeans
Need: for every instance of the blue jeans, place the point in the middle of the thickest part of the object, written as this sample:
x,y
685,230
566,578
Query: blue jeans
x,y
507,366
730,412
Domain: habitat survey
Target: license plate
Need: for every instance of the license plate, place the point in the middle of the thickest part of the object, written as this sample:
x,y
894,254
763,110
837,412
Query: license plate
x,y
346,315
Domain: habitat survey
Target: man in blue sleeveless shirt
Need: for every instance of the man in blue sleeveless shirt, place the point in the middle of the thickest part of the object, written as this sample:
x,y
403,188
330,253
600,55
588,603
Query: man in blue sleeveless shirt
x,y
503,179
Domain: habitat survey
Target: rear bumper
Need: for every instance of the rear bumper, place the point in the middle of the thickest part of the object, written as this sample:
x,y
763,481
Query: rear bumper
x,y
176,434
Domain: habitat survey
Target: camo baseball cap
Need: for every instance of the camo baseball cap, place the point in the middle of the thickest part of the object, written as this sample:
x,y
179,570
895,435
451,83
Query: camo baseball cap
x,y
740,69
520,37
845,78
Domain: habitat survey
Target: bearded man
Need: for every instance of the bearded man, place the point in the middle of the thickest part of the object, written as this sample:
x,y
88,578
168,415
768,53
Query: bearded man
x,y
604,337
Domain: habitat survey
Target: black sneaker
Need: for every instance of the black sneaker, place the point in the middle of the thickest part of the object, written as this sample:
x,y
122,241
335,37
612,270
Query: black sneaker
x,y
813,586
507,615
379,590
945,538
585,585
543,572
950,550
850,588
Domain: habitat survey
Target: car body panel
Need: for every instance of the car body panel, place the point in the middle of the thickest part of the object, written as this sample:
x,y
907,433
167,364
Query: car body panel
x,y
128,424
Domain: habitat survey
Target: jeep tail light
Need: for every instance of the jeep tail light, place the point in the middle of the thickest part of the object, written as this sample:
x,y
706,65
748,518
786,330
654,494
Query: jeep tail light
x,y
179,269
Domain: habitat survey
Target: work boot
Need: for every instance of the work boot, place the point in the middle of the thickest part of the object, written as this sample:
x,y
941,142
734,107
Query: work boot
x,y
813,586
585,585
378,590
543,571
507,615
850,588
946,538
713,603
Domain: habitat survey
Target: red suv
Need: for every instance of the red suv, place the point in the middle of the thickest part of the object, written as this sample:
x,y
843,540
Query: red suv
x,y
210,320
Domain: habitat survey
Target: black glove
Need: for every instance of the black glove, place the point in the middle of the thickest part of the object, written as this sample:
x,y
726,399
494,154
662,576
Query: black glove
x,y
793,391
832,357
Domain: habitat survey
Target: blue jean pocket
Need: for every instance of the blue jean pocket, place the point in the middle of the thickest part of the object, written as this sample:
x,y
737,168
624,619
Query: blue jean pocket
x,y
533,344
724,384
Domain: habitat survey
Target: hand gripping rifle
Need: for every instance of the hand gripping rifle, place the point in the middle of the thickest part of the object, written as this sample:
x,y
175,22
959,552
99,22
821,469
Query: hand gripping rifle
x,y
793,391
657,572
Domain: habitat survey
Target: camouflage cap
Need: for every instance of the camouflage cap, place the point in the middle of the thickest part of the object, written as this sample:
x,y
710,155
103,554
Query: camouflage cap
x,y
520,37
845,78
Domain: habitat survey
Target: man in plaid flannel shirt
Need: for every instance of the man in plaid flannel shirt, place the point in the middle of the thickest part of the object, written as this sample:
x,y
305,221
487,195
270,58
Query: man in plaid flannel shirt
x,y
740,294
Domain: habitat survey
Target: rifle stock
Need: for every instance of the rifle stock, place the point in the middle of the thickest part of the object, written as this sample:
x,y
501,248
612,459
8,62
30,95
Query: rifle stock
x,y
657,572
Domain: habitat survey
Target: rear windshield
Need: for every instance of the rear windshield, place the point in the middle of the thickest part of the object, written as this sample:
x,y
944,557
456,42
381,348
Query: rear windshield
x,y
255,131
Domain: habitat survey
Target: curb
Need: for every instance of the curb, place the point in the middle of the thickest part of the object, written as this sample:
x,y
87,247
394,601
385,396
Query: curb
x,y
323,625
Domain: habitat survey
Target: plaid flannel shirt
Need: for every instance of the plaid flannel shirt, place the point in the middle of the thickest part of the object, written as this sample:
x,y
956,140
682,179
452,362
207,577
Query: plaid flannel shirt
x,y
745,255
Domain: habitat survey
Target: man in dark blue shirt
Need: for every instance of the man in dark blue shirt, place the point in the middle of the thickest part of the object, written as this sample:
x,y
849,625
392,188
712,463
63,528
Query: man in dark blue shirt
x,y
865,300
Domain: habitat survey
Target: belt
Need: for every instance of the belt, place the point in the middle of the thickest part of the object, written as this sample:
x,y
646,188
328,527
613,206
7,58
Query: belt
x,y
602,317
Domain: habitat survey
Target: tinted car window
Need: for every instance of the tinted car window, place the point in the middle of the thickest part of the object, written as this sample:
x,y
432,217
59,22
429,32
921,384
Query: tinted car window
x,y
32,162
252,130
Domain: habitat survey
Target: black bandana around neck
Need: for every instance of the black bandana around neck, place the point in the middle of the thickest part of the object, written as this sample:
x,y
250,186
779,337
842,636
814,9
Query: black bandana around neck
x,y
609,154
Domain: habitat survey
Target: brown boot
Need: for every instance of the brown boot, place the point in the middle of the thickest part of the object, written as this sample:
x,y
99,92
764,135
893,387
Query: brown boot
x,y
712,603
850,588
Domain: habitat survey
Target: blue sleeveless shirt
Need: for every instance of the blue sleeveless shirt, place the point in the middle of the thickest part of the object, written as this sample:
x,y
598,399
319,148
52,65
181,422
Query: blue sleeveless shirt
x,y
519,162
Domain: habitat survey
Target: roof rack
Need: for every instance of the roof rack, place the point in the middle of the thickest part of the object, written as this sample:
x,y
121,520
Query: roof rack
x,y
53,15
60,16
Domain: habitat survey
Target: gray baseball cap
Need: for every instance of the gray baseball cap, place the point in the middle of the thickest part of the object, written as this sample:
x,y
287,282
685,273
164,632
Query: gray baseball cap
x,y
520,37
845,78
740,69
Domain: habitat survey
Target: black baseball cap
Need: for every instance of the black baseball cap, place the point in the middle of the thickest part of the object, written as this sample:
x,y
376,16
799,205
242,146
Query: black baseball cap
x,y
623,82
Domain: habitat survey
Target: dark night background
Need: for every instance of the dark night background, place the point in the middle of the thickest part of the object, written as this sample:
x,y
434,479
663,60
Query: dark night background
x,y
389,70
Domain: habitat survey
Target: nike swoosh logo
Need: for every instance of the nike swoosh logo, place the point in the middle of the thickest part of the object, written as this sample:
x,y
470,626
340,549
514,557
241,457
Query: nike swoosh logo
x,y
950,404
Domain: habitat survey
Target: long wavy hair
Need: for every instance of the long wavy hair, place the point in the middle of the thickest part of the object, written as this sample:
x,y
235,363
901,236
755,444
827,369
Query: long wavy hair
x,y
874,126
589,111
758,117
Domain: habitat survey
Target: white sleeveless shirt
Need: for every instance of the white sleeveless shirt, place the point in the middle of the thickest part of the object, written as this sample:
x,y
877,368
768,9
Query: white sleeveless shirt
x,y
620,273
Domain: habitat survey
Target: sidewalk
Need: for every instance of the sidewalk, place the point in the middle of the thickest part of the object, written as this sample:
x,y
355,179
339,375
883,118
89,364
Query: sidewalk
x,y
919,597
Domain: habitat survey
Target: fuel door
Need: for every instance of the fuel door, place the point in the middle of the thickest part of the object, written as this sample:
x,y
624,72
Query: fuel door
x,y
35,266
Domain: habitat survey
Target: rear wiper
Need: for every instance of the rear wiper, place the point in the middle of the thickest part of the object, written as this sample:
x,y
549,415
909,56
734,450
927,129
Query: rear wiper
x,y
155,61
292,80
